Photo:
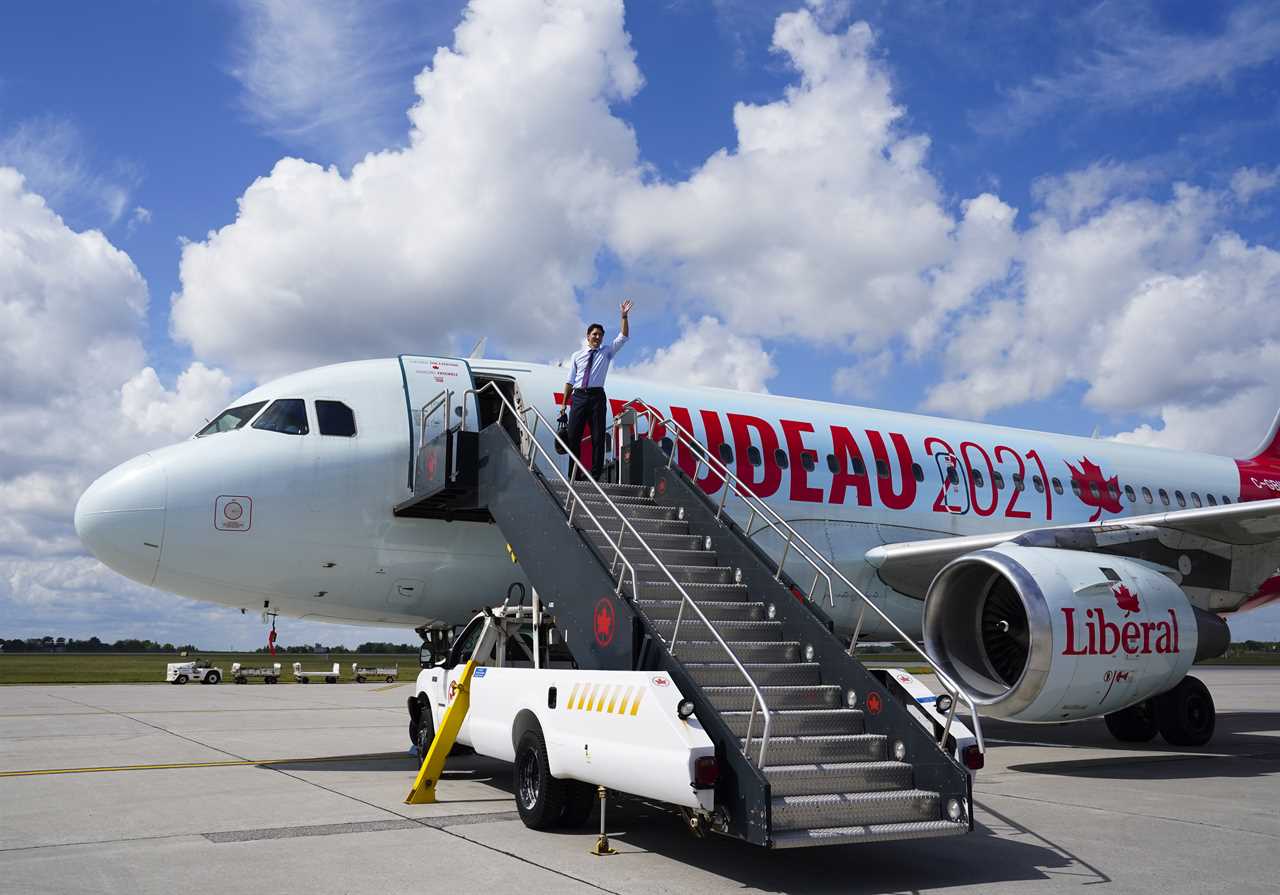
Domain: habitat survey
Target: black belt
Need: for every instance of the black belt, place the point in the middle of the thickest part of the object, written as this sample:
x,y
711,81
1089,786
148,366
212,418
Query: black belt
x,y
593,390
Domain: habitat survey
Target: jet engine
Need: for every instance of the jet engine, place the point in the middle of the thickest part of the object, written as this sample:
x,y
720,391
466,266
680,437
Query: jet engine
x,y
1044,634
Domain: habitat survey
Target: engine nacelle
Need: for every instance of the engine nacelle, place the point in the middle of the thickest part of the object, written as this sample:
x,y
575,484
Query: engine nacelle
x,y
1042,634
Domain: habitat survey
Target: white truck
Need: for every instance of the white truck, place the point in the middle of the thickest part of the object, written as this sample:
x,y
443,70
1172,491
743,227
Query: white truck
x,y
196,670
363,673
270,674
566,730
303,676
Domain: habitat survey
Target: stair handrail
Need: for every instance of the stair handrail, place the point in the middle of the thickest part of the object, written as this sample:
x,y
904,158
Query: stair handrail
x,y
751,498
575,499
444,396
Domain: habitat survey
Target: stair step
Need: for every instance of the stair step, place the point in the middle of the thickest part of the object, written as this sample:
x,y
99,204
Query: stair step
x,y
656,541
929,829
798,722
697,590
725,674
621,498
729,610
729,699
851,809
610,488
845,776
694,629
823,748
745,650
649,573
633,511
668,556
646,527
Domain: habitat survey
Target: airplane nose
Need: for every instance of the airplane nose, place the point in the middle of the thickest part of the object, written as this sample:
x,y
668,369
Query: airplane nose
x,y
120,518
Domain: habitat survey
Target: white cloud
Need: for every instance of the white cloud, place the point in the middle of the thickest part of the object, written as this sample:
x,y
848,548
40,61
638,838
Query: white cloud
x,y
860,381
51,155
1136,63
709,353
485,225
155,410
1249,182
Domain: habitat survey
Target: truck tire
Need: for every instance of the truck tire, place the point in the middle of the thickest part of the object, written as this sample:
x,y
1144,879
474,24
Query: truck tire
x,y
359,678
303,680
424,732
330,680
579,801
213,678
391,679
539,796
241,680
180,679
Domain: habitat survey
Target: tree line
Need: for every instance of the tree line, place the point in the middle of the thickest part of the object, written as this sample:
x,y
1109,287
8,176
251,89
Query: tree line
x,y
134,645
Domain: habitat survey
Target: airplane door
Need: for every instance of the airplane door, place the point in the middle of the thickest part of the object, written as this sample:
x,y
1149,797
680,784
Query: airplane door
x,y
955,490
425,379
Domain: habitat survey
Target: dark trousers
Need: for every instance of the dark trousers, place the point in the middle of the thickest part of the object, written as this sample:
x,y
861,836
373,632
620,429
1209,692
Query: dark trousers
x,y
587,406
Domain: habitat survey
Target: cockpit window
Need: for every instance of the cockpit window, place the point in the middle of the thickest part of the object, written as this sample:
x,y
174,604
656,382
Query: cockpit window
x,y
335,418
288,415
231,418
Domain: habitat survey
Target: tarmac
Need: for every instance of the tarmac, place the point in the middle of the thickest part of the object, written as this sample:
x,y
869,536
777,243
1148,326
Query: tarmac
x,y
202,790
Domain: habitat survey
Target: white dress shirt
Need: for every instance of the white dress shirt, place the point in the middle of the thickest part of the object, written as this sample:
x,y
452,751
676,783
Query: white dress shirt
x,y
599,364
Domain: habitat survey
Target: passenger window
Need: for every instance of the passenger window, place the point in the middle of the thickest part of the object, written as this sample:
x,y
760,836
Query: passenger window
x,y
335,418
288,415
808,460
1128,492
1195,499
882,468
231,419
859,468
1039,483
1076,489
1146,494
753,455
1182,501
780,457
997,479
1057,485
953,475
726,453
1113,490
1225,500
831,463
1019,484
1213,501
916,472
1164,496
977,478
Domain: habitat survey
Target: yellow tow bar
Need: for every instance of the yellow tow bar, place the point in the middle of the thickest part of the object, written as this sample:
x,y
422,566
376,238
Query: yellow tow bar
x,y
424,787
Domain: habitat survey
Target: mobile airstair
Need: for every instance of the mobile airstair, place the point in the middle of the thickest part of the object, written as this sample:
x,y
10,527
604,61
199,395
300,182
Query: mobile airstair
x,y
648,572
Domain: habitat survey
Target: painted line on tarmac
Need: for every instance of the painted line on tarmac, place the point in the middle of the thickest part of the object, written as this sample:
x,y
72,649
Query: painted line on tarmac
x,y
391,686
266,762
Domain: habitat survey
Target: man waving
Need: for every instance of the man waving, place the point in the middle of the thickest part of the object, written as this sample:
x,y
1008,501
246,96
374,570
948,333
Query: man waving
x,y
584,392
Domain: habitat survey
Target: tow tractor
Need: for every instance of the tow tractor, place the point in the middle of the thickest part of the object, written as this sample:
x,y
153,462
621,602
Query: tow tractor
x,y
509,689
304,676
200,670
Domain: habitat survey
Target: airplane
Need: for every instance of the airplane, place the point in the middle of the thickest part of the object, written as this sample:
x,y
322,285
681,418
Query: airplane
x,y
1055,578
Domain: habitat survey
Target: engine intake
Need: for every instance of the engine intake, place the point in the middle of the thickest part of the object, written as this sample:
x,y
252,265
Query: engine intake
x,y
1043,634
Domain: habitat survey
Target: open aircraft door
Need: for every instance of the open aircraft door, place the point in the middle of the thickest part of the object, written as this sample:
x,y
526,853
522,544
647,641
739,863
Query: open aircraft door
x,y
435,390
955,489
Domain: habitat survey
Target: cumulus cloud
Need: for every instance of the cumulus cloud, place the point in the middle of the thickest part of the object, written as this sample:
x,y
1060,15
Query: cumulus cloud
x,y
1249,182
486,223
155,410
709,353
52,156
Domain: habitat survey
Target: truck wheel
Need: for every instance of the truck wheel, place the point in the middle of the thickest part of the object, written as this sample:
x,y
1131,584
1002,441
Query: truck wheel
x,y
391,679
359,678
269,679
303,680
424,732
539,796
579,801
241,680
180,679
1136,724
213,678
331,680
1186,714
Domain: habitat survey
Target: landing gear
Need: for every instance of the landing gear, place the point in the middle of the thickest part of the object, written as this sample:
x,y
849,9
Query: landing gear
x,y
1186,714
1136,724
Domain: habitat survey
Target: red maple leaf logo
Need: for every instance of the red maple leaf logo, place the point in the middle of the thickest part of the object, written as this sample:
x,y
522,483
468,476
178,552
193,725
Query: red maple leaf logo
x,y
1094,490
604,617
1126,599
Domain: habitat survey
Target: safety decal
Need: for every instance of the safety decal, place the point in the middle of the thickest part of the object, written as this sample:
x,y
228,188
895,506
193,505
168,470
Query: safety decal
x,y
480,672
610,699
233,512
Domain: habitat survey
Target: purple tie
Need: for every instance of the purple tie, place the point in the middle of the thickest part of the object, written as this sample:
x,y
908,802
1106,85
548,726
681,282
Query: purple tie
x,y
586,374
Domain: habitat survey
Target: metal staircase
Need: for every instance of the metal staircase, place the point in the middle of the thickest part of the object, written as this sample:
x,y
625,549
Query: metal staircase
x,y
814,748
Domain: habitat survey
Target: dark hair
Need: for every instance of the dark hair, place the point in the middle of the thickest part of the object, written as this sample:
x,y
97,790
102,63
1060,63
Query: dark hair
x,y
599,326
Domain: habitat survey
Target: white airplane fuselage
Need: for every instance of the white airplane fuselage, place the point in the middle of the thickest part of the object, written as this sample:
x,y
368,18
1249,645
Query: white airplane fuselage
x,y
302,524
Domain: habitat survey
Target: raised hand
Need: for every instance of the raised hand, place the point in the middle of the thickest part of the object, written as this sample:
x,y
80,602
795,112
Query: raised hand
x,y
627,306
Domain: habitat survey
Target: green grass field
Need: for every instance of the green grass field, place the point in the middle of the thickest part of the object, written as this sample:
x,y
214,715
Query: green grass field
x,y
149,668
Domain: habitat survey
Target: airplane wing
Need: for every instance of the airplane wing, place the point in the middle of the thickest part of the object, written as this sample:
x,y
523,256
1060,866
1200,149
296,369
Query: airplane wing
x,y
910,566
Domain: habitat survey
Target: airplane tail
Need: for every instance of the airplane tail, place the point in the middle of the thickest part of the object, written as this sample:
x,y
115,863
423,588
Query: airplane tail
x,y
1269,450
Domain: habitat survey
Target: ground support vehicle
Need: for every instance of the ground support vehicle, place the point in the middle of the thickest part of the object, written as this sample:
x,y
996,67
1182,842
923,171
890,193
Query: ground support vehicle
x,y
362,674
515,696
270,674
303,676
200,670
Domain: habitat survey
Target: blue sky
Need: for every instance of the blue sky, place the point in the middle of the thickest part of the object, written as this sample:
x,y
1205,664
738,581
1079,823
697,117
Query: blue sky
x,y
1005,201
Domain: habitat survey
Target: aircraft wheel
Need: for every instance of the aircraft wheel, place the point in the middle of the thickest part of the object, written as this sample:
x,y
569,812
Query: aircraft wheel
x,y
1186,714
539,796
180,679
1136,724
579,801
